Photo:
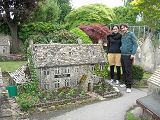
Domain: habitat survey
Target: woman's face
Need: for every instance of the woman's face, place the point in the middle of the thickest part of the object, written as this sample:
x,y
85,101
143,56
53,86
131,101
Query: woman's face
x,y
115,29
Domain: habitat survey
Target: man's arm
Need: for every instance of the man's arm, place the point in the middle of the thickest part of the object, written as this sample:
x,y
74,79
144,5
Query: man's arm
x,y
135,45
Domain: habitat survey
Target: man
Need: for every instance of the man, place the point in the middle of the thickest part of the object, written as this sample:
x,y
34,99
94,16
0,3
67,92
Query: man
x,y
128,50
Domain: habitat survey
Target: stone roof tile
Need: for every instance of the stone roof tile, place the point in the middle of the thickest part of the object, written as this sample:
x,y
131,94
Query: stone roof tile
x,y
155,78
49,55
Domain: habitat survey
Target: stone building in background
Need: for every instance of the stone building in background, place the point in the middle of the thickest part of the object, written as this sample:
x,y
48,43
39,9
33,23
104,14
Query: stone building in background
x,y
4,45
62,65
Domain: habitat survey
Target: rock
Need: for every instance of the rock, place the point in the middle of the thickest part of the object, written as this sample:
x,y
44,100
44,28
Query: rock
x,y
136,111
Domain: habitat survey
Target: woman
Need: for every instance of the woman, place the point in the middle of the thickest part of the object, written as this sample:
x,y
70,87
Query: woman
x,y
114,53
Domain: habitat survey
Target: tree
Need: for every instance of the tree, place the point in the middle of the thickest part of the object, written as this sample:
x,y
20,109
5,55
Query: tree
x,y
127,2
89,14
47,11
96,32
13,12
65,7
150,10
125,15
52,11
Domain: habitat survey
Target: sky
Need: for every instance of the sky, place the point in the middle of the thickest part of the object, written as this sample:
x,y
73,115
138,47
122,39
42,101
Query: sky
x,y
109,3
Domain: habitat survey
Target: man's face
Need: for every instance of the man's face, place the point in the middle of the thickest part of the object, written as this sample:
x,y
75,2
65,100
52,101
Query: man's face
x,y
124,29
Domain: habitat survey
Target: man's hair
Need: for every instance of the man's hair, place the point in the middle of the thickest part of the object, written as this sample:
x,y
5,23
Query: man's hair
x,y
125,25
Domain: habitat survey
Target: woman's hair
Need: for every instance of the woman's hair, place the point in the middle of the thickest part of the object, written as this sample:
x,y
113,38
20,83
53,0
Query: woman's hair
x,y
114,26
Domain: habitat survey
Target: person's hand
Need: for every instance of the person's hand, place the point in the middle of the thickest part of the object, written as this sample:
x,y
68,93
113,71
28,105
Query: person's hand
x,y
132,57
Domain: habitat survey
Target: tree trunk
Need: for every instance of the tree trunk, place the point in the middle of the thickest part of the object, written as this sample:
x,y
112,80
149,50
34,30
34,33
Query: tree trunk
x,y
15,43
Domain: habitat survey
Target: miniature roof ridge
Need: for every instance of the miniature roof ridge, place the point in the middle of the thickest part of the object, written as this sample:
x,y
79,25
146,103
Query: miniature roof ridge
x,y
67,54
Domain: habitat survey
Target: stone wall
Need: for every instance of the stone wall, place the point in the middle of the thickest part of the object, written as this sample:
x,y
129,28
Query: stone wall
x,y
148,55
49,78
4,45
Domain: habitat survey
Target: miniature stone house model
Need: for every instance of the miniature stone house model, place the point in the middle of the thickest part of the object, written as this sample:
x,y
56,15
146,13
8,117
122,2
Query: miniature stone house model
x,y
61,65
4,45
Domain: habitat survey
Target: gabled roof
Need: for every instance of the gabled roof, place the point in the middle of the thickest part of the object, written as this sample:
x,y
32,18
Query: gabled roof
x,y
155,78
19,76
50,55
4,40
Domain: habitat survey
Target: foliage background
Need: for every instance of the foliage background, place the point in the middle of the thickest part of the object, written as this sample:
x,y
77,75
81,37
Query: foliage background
x,y
89,14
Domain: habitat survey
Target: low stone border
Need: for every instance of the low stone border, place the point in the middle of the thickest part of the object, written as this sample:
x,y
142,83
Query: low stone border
x,y
54,107
110,94
60,102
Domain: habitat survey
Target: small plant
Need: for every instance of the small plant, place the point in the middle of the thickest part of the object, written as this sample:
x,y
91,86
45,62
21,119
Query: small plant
x,y
48,97
68,96
72,92
55,91
100,89
82,94
41,93
56,99
45,100
106,89
61,94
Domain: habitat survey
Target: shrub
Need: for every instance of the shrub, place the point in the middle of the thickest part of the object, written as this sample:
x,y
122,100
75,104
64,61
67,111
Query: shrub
x,y
137,72
37,39
63,37
96,32
33,28
26,100
81,34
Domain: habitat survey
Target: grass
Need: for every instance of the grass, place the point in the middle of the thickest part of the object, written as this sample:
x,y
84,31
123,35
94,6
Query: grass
x,y
130,116
147,75
11,66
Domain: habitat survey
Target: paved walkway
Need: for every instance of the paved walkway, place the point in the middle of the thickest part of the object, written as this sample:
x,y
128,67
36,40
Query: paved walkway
x,y
114,109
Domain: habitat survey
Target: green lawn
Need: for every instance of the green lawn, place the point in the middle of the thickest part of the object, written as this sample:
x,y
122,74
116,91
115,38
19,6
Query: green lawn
x,y
11,66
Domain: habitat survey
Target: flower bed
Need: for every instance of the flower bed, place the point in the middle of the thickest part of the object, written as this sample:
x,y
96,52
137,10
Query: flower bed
x,y
58,96
12,58
61,94
104,89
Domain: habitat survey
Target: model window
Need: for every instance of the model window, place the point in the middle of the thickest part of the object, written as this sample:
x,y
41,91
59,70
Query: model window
x,y
93,68
67,70
101,67
45,71
76,69
67,81
57,84
4,51
56,71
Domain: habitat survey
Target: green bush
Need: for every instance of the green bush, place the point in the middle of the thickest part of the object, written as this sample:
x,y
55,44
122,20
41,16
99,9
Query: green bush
x,y
63,37
81,34
37,39
137,72
26,100
33,28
